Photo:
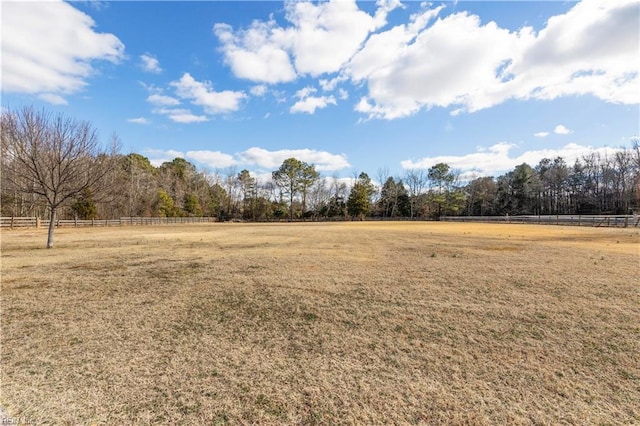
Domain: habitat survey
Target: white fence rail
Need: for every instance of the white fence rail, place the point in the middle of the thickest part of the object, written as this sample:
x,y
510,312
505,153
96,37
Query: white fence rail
x,y
34,222
618,221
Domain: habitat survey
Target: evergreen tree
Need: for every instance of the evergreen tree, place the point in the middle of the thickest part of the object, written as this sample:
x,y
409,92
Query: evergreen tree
x,y
295,177
359,202
192,205
84,207
165,205
441,179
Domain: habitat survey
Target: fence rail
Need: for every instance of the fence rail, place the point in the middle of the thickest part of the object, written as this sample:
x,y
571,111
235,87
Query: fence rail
x,y
617,221
34,222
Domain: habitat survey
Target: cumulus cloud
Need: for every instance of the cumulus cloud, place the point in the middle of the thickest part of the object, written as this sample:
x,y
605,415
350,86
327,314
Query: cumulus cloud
x,y
326,35
453,62
558,130
150,63
384,48
165,105
139,120
256,53
197,93
180,115
561,130
592,49
311,103
497,159
202,94
434,60
308,103
320,39
461,63
258,90
262,158
213,159
49,49
158,156
323,160
329,85
162,100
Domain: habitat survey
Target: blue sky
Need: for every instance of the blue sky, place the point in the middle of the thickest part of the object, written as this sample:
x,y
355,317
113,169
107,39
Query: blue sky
x,y
348,86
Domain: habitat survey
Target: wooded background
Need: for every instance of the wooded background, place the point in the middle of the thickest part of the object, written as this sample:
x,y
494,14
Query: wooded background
x,y
106,184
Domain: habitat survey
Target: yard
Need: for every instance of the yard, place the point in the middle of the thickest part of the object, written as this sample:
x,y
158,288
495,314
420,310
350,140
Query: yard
x,y
322,323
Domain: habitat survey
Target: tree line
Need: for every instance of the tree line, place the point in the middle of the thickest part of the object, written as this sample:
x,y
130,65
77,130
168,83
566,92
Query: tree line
x,y
53,165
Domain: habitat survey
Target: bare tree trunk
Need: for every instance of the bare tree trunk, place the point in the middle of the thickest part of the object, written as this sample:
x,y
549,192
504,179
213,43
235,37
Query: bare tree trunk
x,y
52,225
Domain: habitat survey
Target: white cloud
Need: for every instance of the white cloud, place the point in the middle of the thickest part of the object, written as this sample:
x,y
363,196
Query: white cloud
x,y
183,116
162,100
324,161
256,53
331,84
48,48
202,94
308,104
150,63
311,103
163,104
305,92
158,156
459,62
450,63
53,99
258,90
139,120
343,94
180,115
199,94
326,35
384,48
320,39
592,49
264,159
213,159
561,130
497,160
558,130
374,110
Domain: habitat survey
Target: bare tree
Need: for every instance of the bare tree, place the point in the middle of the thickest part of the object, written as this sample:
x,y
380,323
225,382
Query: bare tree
x,y
417,182
54,157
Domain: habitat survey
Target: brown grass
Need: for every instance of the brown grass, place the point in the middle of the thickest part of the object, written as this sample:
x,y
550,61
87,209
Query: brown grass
x,y
354,323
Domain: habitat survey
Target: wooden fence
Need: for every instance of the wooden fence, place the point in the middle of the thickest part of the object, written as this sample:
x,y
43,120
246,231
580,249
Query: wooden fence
x,y
618,221
34,222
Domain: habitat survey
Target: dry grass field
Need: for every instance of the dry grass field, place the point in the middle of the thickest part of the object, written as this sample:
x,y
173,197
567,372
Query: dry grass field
x,y
332,323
